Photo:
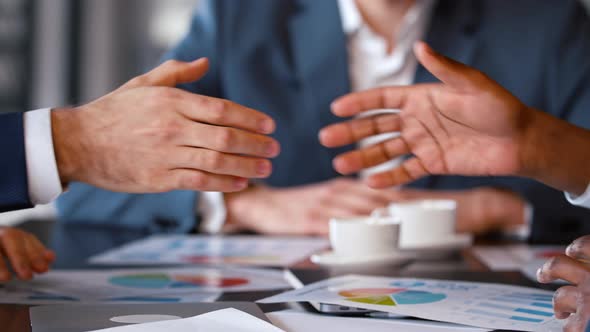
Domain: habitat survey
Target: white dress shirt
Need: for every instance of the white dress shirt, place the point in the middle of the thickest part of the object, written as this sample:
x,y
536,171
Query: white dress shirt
x,y
582,200
42,173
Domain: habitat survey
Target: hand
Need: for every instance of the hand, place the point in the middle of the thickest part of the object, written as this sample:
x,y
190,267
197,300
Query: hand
x,y
571,302
304,210
467,125
24,252
148,136
479,210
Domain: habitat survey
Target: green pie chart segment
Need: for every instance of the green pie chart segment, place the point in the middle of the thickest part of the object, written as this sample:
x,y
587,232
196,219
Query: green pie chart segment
x,y
379,300
391,297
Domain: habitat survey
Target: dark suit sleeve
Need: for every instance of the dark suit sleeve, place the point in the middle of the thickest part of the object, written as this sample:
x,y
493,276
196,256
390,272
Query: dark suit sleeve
x,y
568,97
14,192
173,211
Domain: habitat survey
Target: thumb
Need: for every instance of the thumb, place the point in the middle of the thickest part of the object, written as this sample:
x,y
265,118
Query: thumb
x,y
452,73
171,73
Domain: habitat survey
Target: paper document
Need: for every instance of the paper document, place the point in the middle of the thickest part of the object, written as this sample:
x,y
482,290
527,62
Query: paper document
x,y
216,321
200,249
197,284
524,258
482,305
298,321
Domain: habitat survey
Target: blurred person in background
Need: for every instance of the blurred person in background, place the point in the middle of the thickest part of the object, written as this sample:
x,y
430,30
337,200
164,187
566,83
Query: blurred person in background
x,y
291,59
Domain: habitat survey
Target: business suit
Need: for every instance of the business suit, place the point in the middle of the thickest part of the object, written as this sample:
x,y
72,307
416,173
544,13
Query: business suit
x,y
289,59
14,193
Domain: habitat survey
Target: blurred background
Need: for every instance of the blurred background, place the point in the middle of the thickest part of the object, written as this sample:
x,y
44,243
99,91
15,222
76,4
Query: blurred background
x,y
65,52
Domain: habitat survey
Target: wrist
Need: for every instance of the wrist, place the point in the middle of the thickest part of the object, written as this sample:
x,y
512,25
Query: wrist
x,y
240,209
66,141
556,153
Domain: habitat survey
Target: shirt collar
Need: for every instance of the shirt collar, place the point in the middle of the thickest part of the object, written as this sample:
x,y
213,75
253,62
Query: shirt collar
x,y
352,21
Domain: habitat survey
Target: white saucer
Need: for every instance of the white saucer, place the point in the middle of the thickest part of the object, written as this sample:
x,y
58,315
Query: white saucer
x,y
452,245
330,258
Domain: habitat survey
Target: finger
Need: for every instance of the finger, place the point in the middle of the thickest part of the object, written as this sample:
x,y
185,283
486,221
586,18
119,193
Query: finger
x,y
171,73
223,163
229,140
354,161
450,72
36,253
386,97
580,249
565,268
14,249
5,274
353,131
410,170
565,301
224,113
186,179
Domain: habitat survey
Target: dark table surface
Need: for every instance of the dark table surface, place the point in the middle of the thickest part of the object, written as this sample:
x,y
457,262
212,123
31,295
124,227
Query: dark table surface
x,y
73,245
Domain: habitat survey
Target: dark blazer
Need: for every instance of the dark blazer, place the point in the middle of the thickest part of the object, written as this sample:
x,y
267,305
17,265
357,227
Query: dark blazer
x,y
14,192
289,59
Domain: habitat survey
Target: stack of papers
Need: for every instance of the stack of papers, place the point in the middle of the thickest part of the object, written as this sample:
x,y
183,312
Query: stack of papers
x,y
482,305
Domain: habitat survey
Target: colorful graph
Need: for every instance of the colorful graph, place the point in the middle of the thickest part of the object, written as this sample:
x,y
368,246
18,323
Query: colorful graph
x,y
390,296
163,280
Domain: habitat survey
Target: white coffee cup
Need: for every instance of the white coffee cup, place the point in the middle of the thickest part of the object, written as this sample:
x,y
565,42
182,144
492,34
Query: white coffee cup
x,y
364,237
425,223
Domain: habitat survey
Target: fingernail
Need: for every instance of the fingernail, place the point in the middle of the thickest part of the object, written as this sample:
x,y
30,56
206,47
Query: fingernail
x,y
271,149
240,183
266,126
540,274
264,168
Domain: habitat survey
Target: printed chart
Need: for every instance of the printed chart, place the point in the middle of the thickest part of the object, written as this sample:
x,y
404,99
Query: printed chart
x,y
196,284
236,250
475,304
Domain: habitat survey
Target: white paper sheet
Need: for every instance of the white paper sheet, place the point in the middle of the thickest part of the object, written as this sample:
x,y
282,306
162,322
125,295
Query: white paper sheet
x,y
514,257
524,258
483,305
197,284
216,321
199,249
298,321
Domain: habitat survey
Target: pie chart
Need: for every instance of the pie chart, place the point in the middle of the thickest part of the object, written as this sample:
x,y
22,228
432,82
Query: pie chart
x,y
390,296
163,280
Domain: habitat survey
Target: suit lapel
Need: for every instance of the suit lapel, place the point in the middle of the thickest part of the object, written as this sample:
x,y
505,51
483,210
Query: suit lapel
x,y
320,56
320,59
452,32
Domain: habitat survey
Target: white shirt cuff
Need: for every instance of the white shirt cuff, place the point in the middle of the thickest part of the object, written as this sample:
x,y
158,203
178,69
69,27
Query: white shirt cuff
x,y
42,172
211,208
523,232
582,200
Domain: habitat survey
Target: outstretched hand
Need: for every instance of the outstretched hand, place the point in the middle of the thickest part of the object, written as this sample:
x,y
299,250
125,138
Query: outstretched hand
x,y
468,125
148,136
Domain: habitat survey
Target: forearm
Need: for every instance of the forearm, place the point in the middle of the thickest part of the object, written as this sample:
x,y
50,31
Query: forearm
x,y
556,153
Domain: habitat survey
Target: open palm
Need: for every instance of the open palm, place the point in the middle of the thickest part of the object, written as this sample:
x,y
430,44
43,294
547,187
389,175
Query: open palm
x,y
467,125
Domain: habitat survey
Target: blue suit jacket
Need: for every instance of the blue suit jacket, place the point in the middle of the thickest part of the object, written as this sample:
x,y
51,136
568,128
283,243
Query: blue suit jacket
x,y
289,59
14,192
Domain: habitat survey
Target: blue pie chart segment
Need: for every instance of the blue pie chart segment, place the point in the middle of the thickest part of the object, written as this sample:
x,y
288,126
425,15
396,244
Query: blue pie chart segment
x,y
417,297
